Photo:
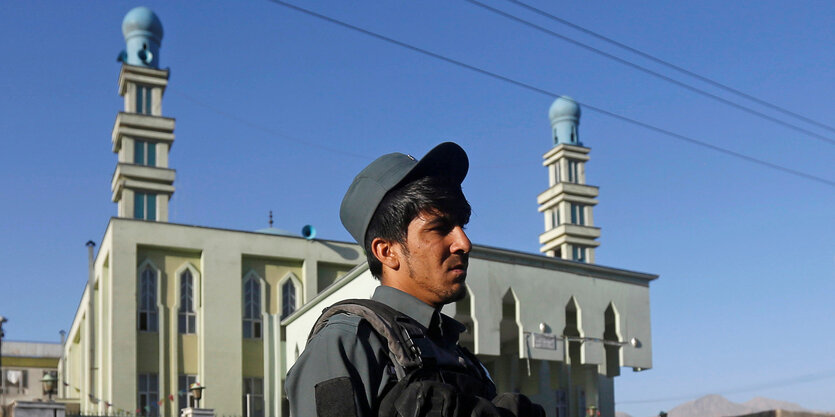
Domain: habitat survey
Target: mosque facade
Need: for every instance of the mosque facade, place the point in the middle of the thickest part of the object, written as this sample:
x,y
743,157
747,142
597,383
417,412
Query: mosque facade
x,y
167,305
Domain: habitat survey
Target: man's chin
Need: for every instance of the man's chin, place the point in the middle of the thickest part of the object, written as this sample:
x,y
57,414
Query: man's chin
x,y
456,294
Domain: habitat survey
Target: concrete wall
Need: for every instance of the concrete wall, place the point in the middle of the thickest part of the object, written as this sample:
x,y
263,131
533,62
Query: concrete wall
x,y
36,409
216,353
512,296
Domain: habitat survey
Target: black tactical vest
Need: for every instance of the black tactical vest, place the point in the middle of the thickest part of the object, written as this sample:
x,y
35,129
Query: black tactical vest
x,y
430,381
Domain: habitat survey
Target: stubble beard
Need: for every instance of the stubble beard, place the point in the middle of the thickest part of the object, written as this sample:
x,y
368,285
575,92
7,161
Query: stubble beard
x,y
446,296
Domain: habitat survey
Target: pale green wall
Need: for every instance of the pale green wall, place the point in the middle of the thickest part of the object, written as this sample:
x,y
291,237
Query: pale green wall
x,y
147,357
328,273
187,362
271,270
253,358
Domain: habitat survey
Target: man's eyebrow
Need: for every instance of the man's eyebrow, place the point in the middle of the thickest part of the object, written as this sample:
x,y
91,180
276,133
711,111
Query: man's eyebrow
x,y
440,219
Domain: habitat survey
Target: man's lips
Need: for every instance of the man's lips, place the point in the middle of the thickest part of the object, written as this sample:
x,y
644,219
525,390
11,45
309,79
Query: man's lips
x,y
462,265
460,270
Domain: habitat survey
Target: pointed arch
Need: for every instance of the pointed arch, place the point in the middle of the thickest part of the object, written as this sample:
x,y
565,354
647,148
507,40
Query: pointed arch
x,y
254,304
187,296
464,307
510,328
149,296
612,338
572,331
290,288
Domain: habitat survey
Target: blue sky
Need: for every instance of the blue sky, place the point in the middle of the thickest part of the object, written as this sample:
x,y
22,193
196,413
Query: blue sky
x,y
278,111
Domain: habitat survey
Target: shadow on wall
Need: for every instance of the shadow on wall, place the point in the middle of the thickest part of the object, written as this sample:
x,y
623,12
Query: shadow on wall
x,y
347,253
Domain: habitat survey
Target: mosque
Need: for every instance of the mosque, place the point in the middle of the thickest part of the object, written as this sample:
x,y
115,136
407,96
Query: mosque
x,y
167,305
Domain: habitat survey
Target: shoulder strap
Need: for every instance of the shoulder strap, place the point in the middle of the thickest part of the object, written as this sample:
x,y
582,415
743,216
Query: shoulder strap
x,y
393,326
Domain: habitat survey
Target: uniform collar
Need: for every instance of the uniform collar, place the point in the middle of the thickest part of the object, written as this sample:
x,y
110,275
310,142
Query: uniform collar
x,y
416,309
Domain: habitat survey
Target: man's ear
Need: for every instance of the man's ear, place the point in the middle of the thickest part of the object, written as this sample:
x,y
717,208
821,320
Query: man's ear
x,y
384,250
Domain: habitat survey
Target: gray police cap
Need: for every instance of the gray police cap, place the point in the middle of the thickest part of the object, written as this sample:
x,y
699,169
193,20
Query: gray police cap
x,y
446,160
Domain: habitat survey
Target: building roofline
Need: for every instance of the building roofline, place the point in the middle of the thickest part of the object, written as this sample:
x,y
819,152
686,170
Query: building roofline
x,y
330,289
30,349
548,262
253,232
30,341
500,255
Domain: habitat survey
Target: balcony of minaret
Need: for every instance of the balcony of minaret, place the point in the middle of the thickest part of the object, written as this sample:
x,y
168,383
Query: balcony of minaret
x,y
144,127
141,177
563,189
131,77
570,233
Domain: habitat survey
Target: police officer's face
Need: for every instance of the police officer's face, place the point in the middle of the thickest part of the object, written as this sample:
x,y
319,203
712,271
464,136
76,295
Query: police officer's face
x,y
436,256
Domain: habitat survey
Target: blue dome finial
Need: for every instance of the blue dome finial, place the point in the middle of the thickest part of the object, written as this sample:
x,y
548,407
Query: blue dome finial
x,y
565,119
143,35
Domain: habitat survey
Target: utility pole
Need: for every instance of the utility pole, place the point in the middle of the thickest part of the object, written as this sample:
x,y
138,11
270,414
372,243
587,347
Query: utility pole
x,y
2,376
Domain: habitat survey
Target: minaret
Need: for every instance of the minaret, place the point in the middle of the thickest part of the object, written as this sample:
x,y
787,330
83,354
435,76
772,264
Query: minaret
x,y
142,183
567,203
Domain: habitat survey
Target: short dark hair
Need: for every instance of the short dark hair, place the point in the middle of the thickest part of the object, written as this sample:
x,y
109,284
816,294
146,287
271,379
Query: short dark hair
x,y
401,205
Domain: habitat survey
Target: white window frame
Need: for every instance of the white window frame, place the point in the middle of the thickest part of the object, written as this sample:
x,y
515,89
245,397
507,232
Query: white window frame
x,y
144,99
579,253
256,399
145,147
255,322
146,205
573,171
153,320
578,214
183,393
151,397
22,385
297,284
195,298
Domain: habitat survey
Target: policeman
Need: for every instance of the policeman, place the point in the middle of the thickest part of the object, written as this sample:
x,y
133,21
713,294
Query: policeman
x,y
409,216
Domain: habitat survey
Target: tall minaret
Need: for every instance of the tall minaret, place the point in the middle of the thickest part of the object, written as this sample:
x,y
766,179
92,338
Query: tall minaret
x,y
142,183
567,203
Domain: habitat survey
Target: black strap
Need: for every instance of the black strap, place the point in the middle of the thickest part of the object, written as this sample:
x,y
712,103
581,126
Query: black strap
x,y
396,328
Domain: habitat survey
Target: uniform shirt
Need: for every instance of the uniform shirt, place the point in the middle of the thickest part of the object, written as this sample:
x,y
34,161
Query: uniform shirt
x,y
348,347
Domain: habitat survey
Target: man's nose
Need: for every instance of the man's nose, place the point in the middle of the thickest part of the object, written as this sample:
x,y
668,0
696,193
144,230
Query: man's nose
x,y
460,243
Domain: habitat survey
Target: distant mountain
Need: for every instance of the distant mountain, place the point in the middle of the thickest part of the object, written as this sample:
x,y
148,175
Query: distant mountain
x,y
763,404
713,405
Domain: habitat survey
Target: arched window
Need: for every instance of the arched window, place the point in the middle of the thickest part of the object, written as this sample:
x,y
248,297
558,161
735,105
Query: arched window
x,y
290,294
252,307
187,316
288,298
148,299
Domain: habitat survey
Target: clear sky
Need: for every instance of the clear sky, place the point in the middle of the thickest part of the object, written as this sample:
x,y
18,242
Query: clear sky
x,y
278,111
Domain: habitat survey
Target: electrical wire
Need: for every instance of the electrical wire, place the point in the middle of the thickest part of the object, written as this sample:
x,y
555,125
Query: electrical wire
x,y
553,94
262,128
672,66
656,74
802,379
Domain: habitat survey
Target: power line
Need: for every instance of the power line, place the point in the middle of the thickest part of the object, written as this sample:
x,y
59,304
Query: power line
x,y
553,94
265,129
674,66
657,74
802,379
290,138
